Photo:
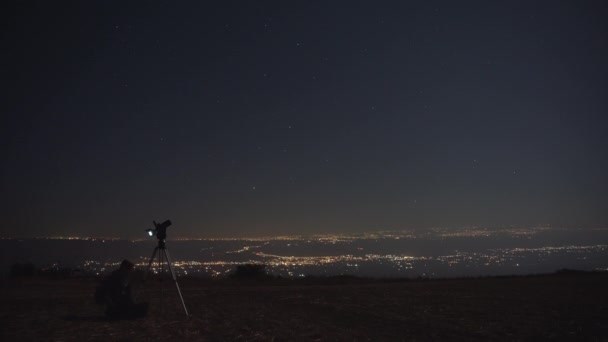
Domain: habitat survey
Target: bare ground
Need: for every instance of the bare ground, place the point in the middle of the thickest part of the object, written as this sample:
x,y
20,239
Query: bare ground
x,y
560,307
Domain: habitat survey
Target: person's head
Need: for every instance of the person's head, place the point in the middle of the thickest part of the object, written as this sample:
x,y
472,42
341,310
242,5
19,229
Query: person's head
x,y
126,265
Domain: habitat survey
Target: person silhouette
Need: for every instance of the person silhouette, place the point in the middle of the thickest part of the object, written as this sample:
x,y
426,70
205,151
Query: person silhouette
x,y
116,292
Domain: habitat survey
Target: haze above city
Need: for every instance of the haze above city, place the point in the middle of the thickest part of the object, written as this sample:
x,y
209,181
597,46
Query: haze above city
x,y
264,119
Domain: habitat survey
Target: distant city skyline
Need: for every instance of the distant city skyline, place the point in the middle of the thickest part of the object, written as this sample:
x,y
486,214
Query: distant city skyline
x,y
437,252
261,119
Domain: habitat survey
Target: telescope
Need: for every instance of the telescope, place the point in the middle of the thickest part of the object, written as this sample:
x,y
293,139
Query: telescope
x,y
160,230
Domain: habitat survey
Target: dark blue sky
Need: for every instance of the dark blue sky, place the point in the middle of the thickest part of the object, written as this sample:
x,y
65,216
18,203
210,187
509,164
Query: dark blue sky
x,y
258,118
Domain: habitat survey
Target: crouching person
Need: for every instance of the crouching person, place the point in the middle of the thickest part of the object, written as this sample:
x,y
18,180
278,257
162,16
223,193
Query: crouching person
x,y
116,293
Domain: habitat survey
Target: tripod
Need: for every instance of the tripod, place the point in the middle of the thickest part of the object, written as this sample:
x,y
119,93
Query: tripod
x,y
163,253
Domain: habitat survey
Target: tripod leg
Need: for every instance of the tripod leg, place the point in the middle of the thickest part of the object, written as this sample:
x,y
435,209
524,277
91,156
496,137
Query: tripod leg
x,y
151,261
175,281
160,278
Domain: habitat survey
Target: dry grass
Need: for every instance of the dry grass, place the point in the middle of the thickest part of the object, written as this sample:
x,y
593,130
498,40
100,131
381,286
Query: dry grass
x,y
520,308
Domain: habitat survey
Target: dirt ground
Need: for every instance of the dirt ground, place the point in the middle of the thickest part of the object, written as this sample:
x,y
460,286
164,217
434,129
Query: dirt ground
x,y
560,307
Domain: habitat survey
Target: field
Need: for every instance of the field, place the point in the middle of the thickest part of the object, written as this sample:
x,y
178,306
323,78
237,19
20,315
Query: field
x,y
560,306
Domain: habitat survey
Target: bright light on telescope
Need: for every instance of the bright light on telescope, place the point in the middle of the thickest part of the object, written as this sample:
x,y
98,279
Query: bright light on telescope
x,y
159,230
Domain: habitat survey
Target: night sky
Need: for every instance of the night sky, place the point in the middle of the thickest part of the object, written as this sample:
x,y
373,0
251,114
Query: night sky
x,y
256,118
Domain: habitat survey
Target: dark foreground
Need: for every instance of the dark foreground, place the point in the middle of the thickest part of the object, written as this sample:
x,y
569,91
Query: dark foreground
x,y
560,306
